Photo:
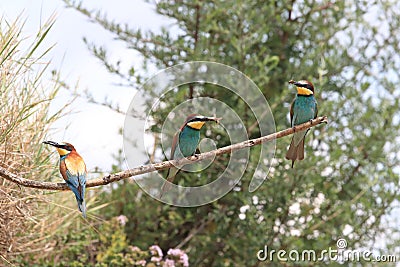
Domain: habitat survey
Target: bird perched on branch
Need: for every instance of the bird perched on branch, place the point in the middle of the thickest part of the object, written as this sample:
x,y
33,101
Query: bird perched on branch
x,y
73,170
304,108
184,143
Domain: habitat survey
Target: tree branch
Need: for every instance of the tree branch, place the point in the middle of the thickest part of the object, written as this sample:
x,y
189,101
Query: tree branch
x,y
161,165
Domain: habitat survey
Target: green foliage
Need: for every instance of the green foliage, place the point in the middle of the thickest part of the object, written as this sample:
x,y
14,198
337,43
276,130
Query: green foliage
x,y
106,246
113,243
25,96
350,176
36,229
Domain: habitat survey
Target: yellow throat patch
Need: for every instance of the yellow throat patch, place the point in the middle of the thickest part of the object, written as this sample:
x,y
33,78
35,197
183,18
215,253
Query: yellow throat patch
x,y
196,124
62,151
304,91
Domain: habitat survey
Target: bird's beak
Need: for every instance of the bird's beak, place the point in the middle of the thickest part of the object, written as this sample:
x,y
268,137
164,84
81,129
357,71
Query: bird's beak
x,y
55,144
294,82
213,119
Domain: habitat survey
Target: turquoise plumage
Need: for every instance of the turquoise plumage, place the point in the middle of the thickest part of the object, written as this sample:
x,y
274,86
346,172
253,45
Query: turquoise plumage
x,y
184,144
304,108
189,139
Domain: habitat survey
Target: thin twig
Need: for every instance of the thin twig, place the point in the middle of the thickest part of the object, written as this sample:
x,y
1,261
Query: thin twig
x,y
161,165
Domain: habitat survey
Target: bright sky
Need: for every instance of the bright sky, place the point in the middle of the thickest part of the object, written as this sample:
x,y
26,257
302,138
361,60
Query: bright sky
x,y
91,128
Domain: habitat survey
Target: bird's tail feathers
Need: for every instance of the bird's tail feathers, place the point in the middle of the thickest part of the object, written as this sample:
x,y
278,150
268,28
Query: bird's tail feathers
x,y
300,150
295,152
82,207
172,172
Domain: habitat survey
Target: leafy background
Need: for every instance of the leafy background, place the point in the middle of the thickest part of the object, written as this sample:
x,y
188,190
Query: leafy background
x,y
348,186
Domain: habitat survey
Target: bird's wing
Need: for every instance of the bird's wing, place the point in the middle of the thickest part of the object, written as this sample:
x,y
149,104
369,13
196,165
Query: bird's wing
x,y
298,136
174,144
316,109
75,164
292,112
76,175
77,183
171,171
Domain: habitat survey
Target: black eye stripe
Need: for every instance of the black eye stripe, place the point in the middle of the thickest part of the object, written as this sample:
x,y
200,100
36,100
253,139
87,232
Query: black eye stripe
x,y
197,119
309,87
66,147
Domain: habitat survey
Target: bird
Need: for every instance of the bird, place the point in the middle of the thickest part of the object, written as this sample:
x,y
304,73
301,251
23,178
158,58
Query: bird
x,y
73,170
303,108
184,143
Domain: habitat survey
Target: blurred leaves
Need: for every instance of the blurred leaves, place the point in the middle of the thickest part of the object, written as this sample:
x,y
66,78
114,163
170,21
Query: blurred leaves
x,y
25,96
349,50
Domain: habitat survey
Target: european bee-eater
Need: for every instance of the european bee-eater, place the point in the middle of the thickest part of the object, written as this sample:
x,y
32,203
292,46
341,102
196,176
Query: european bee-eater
x,y
73,170
185,142
304,108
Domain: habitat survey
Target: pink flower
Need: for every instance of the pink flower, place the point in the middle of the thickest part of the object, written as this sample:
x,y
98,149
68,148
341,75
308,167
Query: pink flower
x,y
157,253
169,263
122,219
174,252
184,259
156,250
135,249
179,255
141,262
